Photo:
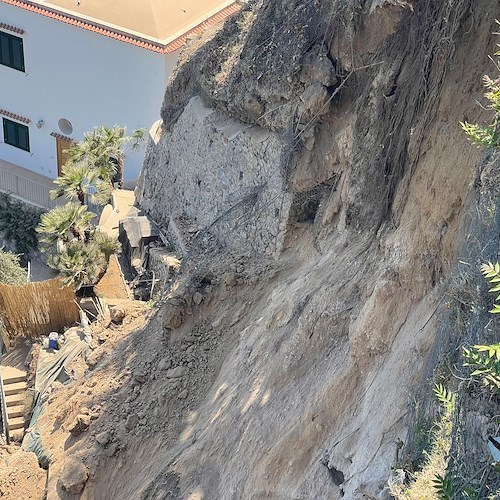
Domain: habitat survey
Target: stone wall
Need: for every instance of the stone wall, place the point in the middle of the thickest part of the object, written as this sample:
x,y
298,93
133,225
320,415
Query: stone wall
x,y
213,172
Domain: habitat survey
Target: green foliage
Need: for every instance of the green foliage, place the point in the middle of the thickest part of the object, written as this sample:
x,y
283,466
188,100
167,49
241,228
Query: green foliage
x,y
79,263
484,360
444,487
446,397
106,245
82,253
18,222
492,274
75,181
487,135
441,483
65,223
103,149
11,272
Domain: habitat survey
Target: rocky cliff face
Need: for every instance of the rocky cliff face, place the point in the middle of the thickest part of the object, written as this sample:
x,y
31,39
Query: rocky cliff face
x,y
311,171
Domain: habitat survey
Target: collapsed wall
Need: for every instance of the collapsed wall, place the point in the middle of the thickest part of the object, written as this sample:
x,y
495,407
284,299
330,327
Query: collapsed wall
x,y
238,178
325,135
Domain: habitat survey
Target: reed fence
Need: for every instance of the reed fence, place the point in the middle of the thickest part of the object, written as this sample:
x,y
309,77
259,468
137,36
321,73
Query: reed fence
x,y
35,309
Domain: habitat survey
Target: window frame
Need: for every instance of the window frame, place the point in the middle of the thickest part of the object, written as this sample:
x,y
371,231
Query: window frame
x,y
5,122
10,39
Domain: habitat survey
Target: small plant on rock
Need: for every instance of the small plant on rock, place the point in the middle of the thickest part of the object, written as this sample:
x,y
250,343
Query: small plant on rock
x,y
487,136
484,360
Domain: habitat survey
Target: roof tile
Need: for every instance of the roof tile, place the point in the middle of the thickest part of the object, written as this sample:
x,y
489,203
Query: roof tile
x,y
117,35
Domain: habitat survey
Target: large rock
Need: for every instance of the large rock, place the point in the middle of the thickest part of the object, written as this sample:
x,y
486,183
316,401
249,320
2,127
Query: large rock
x,y
132,421
317,67
79,425
117,314
314,102
173,317
74,475
103,438
176,372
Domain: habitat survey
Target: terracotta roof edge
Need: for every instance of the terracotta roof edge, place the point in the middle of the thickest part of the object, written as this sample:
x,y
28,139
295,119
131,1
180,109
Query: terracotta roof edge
x,y
150,43
15,116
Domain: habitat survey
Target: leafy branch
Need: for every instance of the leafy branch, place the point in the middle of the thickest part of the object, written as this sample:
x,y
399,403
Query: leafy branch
x,y
492,274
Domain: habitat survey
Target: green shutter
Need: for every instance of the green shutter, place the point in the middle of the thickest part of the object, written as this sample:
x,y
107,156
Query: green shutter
x,y
17,54
4,49
11,51
16,134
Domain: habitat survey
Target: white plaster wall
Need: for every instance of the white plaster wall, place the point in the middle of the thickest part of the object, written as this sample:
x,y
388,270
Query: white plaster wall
x,y
84,77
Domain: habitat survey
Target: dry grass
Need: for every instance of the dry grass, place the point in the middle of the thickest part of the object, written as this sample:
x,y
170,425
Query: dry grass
x,y
33,310
421,485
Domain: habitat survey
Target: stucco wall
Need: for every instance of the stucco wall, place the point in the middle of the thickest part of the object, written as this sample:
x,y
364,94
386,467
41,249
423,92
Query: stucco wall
x,y
84,77
211,168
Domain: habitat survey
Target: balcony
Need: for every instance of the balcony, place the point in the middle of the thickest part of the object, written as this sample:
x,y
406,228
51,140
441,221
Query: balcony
x,y
26,185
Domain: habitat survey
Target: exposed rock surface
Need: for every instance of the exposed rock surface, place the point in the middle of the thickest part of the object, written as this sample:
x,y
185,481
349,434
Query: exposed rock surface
x,y
319,214
367,173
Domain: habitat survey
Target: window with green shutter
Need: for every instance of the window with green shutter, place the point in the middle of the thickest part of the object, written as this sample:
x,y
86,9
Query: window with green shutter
x,y
11,51
16,135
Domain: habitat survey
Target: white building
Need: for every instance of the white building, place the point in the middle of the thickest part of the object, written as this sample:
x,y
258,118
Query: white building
x,y
68,65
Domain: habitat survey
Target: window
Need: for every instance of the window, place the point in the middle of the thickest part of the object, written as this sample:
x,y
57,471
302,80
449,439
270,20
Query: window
x,y
11,51
16,135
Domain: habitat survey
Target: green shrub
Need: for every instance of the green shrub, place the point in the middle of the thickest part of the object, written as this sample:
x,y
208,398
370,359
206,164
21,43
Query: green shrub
x,y
18,222
11,272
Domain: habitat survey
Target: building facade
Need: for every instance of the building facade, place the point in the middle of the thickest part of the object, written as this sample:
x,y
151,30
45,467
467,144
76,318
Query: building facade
x,y
67,66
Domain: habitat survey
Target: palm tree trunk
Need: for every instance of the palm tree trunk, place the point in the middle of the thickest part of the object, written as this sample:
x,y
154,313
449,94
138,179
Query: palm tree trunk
x,y
81,196
120,173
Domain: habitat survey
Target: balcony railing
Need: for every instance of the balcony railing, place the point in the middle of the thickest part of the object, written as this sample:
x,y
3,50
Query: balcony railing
x,y
13,182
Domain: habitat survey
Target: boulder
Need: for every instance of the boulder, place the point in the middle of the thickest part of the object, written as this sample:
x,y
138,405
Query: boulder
x,y
79,425
117,314
173,317
132,421
103,438
164,364
197,298
317,67
230,279
140,376
314,102
176,372
74,475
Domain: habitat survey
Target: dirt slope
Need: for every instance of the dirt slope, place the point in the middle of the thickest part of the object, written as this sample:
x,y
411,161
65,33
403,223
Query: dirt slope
x,y
296,375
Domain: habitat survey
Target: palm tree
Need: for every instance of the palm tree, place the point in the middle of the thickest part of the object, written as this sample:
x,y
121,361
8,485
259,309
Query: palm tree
x,y
79,263
64,223
106,244
104,149
75,181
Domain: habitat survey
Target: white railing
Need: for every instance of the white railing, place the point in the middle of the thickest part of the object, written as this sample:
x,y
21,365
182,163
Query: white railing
x,y
26,189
